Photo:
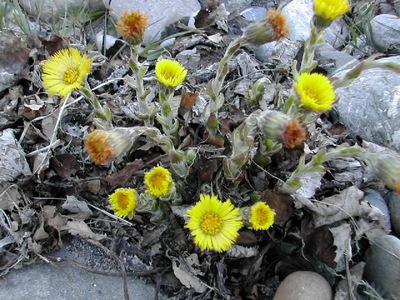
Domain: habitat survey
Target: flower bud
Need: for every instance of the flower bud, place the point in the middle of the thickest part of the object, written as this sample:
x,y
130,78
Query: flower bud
x,y
132,25
387,167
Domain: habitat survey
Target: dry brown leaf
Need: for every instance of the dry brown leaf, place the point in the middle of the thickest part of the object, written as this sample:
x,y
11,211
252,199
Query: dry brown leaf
x,y
184,275
65,165
79,227
281,203
73,205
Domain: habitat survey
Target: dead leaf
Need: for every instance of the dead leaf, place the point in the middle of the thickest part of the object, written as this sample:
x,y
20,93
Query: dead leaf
x,y
79,227
342,240
281,203
73,205
184,275
238,251
65,165
122,177
207,169
246,238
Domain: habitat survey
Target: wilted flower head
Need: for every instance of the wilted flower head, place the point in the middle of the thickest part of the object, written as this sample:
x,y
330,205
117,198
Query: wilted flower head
x,y
279,126
328,10
271,28
262,217
315,91
123,202
104,146
170,73
387,167
132,25
65,71
159,182
214,224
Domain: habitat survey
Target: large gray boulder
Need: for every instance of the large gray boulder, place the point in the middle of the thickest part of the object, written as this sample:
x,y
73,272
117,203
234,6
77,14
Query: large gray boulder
x,y
385,32
370,106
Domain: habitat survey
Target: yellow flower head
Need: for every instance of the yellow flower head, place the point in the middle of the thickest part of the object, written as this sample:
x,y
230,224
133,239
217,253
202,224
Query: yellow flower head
x,y
387,167
123,202
271,28
65,71
158,181
262,217
170,73
213,223
328,10
315,91
104,146
132,26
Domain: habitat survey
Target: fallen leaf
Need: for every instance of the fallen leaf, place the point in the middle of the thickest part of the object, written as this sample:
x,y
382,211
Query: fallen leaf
x,y
65,165
186,277
79,227
281,203
73,205
122,177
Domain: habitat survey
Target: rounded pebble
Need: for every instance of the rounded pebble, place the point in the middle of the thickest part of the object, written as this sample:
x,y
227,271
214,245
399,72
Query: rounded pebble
x,y
304,285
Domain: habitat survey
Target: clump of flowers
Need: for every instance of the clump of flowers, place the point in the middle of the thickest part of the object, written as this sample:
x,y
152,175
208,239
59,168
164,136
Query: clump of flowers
x,y
105,145
123,202
315,91
214,224
132,25
262,217
170,73
271,28
159,182
65,71
327,11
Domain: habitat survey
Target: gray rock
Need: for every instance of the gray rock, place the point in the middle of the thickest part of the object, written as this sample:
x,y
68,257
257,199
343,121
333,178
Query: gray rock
x,y
375,199
282,52
385,33
237,5
47,9
332,60
13,59
254,13
12,158
161,12
382,268
304,285
370,106
299,14
394,208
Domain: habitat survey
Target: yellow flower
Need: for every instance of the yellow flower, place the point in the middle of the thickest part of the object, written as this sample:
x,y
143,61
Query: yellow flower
x,y
271,28
132,25
104,146
262,216
213,223
387,167
123,202
328,10
170,73
158,181
65,71
315,91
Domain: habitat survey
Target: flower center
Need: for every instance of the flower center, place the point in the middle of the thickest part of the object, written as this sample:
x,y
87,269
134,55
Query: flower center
x,y
123,201
211,224
260,215
71,75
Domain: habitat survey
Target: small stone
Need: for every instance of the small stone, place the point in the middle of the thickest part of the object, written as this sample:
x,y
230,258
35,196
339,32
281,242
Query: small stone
x,y
332,60
304,285
385,33
382,268
394,210
375,199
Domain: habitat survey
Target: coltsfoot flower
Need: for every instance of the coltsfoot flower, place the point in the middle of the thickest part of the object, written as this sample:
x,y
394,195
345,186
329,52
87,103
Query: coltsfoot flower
x,y
262,217
159,182
387,167
279,126
315,91
132,25
214,224
271,28
170,73
65,71
123,202
328,10
104,146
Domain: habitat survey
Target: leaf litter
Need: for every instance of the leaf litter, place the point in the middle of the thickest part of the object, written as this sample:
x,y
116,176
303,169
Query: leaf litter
x,y
325,222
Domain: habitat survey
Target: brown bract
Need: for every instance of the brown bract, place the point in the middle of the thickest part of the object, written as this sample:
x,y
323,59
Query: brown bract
x,y
278,23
